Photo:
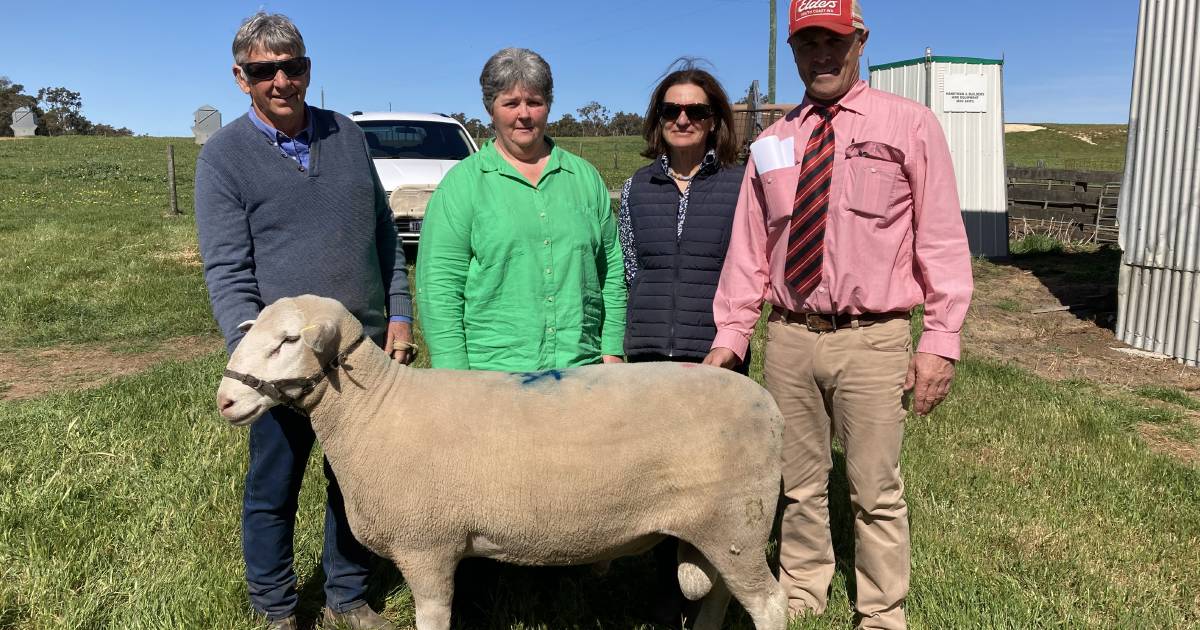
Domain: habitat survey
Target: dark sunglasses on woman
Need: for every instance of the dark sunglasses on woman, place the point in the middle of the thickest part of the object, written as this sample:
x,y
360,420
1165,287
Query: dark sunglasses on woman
x,y
695,111
265,70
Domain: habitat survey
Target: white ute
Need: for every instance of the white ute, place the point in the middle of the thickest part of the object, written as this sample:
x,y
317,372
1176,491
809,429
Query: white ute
x,y
411,153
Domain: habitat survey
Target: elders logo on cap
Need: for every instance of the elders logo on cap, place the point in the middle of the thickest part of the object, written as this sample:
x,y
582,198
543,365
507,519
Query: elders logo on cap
x,y
839,16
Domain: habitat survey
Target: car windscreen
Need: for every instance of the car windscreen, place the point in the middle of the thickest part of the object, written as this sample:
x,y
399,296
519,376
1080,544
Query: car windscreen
x,y
415,139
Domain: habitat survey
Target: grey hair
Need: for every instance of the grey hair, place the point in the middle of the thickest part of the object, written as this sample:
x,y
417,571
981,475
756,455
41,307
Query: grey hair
x,y
512,67
271,32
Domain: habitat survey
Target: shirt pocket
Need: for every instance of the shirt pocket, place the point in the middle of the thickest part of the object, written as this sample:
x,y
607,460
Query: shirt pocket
x,y
871,185
779,192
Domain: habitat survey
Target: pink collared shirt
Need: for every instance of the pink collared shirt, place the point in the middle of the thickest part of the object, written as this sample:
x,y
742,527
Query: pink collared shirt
x,y
894,234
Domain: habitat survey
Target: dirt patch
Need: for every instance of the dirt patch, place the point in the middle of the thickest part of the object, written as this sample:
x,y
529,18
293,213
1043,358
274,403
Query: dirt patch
x,y
1084,137
32,373
188,257
1075,343
1159,439
1019,128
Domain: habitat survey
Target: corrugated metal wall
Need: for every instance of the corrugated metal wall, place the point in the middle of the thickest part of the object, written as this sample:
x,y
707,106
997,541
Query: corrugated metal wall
x,y
976,141
907,81
1159,210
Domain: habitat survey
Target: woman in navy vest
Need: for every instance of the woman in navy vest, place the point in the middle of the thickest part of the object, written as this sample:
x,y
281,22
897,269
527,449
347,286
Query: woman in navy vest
x,y
675,218
674,222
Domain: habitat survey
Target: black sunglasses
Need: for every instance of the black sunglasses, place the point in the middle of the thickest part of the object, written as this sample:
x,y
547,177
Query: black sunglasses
x,y
695,111
265,70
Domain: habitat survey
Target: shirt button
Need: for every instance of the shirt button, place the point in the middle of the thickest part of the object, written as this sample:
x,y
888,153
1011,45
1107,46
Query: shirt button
x,y
821,290
546,242
550,330
543,215
549,270
550,298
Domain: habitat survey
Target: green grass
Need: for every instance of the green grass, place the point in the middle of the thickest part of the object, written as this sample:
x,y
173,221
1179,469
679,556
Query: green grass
x,y
90,251
92,254
1032,503
1170,395
1009,304
1035,244
1060,146
616,157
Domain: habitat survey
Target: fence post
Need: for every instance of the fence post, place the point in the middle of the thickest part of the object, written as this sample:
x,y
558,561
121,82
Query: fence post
x,y
171,179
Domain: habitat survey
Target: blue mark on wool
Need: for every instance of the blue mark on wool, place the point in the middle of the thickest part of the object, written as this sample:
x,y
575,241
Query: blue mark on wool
x,y
529,378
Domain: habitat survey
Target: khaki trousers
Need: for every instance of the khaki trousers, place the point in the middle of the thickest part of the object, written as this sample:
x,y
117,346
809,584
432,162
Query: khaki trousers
x,y
848,382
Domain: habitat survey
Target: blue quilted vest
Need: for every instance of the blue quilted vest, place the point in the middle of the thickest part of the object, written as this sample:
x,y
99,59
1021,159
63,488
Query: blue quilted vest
x,y
671,299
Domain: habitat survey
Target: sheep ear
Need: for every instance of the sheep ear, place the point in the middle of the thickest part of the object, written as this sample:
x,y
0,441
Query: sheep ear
x,y
318,336
244,326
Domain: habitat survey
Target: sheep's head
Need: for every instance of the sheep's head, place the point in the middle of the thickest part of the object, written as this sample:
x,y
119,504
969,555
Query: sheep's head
x,y
292,339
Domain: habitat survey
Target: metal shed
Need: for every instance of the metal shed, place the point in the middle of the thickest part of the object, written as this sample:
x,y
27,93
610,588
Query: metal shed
x,y
1159,208
967,95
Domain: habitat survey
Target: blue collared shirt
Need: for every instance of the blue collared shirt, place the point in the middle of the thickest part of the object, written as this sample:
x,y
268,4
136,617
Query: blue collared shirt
x,y
297,148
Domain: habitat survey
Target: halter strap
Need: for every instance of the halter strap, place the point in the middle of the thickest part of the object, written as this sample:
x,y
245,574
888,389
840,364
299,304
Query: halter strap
x,y
274,389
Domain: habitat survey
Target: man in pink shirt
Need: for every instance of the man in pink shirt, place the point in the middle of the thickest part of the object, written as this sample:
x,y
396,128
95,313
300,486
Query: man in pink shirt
x,y
844,238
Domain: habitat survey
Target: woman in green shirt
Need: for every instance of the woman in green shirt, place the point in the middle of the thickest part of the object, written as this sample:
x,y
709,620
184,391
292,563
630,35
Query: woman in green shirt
x,y
519,267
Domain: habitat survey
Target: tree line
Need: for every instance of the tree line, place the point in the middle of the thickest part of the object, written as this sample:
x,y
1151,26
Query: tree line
x,y
58,111
592,119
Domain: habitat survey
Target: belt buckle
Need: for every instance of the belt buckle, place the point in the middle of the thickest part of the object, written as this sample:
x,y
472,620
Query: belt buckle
x,y
816,323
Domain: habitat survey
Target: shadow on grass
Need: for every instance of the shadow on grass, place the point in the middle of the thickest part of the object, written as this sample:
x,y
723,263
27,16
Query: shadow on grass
x,y
384,579
496,596
1085,281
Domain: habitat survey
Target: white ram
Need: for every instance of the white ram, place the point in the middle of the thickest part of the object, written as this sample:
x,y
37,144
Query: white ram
x,y
562,467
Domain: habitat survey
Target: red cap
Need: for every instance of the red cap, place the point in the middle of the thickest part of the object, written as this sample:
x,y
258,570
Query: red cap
x,y
840,16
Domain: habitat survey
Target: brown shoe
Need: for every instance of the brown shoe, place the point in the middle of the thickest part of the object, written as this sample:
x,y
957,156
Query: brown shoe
x,y
361,618
287,623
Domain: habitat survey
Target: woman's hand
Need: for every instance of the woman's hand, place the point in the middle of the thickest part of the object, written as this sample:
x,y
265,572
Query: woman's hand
x,y
609,358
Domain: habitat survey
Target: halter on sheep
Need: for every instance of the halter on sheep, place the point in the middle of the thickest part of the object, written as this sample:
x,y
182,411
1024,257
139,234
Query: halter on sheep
x,y
567,467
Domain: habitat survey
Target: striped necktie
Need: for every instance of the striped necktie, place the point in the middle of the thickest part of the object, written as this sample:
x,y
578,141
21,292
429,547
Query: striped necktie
x,y
806,235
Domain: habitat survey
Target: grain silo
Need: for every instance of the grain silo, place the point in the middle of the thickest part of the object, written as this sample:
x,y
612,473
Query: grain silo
x,y
1159,208
967,95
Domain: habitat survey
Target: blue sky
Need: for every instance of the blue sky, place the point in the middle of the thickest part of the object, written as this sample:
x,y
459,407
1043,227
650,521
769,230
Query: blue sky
x,y
149,65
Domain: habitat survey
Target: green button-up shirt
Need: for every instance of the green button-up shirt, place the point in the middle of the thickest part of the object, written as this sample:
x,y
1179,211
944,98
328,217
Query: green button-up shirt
x,y
517,277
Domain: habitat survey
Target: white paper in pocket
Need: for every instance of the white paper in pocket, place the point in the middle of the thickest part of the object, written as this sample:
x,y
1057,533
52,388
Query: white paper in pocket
x,y
771,153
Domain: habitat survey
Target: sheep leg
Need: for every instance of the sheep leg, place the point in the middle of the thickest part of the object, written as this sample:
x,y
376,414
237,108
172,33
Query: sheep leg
x,y
430,578
712,607
749,579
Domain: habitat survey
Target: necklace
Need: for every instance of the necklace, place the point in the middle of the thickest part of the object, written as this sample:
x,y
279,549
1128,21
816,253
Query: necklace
x,y
677,176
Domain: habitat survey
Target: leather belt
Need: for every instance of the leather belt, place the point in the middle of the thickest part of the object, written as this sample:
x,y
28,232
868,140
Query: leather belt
x,y
823,322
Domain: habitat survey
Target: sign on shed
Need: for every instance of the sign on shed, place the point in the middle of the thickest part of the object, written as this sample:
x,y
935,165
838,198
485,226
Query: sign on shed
x,y
208,121
24,123
965,93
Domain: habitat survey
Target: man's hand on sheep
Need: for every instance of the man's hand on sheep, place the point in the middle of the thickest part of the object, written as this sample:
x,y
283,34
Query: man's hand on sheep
x,y
722,357
399,343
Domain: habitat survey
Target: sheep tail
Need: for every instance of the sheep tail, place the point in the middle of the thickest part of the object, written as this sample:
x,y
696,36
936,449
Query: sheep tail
x,y
696,575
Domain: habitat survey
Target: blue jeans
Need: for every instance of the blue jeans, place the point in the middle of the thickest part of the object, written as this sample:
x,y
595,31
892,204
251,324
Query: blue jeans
x,y
280,443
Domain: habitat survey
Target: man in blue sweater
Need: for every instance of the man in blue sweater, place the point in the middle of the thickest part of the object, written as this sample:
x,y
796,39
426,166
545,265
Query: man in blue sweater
x,y
287,203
